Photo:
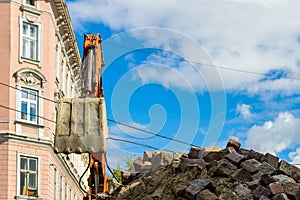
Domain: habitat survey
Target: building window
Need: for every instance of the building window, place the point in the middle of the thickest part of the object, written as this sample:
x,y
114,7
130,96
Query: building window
x,y
29,97
30,2
29,105
30,41
61,188
57,61
66,191
68,85
28,176
55,183
63,75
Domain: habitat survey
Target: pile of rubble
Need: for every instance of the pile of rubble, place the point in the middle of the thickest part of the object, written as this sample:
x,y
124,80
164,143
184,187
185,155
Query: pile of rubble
x,y
152,161
205,174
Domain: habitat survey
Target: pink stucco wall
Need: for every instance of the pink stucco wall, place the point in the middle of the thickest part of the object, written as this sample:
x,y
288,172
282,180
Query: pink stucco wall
x,y
5,49
29,141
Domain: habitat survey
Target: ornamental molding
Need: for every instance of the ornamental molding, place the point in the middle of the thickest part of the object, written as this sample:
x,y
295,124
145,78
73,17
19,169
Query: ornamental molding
x,y
30,77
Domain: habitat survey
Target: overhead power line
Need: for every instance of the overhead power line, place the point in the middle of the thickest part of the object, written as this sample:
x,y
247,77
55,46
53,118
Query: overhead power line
x,y
49,120
112,138
128,141
203,64
36,95
114,121
151,133
139,144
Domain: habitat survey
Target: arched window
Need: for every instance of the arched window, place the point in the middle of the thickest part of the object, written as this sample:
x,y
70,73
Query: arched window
x,y
30,84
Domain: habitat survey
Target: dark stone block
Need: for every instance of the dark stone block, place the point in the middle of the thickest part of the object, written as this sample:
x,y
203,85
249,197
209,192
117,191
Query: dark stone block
x,y
210,156
253,184
272,160
280,196
266,168
190,161
242,175
194,153
292,190
196,187
264,198
296,175
251,165
266,179
255,155
235,157
260,191
242,190
225,168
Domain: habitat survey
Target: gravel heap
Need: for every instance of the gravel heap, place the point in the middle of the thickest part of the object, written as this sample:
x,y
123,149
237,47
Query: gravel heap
x,y
228,174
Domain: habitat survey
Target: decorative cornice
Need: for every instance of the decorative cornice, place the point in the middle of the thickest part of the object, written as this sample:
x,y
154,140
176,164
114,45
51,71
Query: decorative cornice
x,y
66,25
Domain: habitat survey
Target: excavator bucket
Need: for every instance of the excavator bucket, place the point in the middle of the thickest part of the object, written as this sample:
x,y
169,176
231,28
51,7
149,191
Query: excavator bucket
x,y
81,126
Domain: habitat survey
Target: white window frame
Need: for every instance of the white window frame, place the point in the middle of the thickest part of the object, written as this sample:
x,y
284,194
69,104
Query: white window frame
x,y
22,58
68,86
61,187
31,1
55,183
29,102
66,190
70,192
19,156
36,4
40,77
63,74
57,59
30,48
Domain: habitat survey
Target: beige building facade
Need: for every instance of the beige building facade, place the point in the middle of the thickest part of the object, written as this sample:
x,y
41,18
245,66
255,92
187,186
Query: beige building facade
x,y
39,62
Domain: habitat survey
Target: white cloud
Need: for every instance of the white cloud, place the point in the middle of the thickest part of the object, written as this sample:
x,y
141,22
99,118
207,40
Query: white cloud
x,y
274,136
283,86
170,73
244,110
295,156
241,34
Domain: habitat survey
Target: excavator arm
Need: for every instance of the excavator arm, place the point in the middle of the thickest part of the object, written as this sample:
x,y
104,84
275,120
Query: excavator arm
x,y
81,125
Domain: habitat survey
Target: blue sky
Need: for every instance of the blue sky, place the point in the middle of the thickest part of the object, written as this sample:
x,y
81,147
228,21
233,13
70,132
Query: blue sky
x,y
198,71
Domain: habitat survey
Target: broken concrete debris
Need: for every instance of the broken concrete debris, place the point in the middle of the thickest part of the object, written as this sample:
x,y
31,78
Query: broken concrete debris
x,y
232,173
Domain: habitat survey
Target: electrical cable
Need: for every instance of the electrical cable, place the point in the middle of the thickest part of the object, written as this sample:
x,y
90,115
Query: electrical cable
x,y
129,126
118,139
151,133
145,145
109,169
4,84
204,64
30,114
83,175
